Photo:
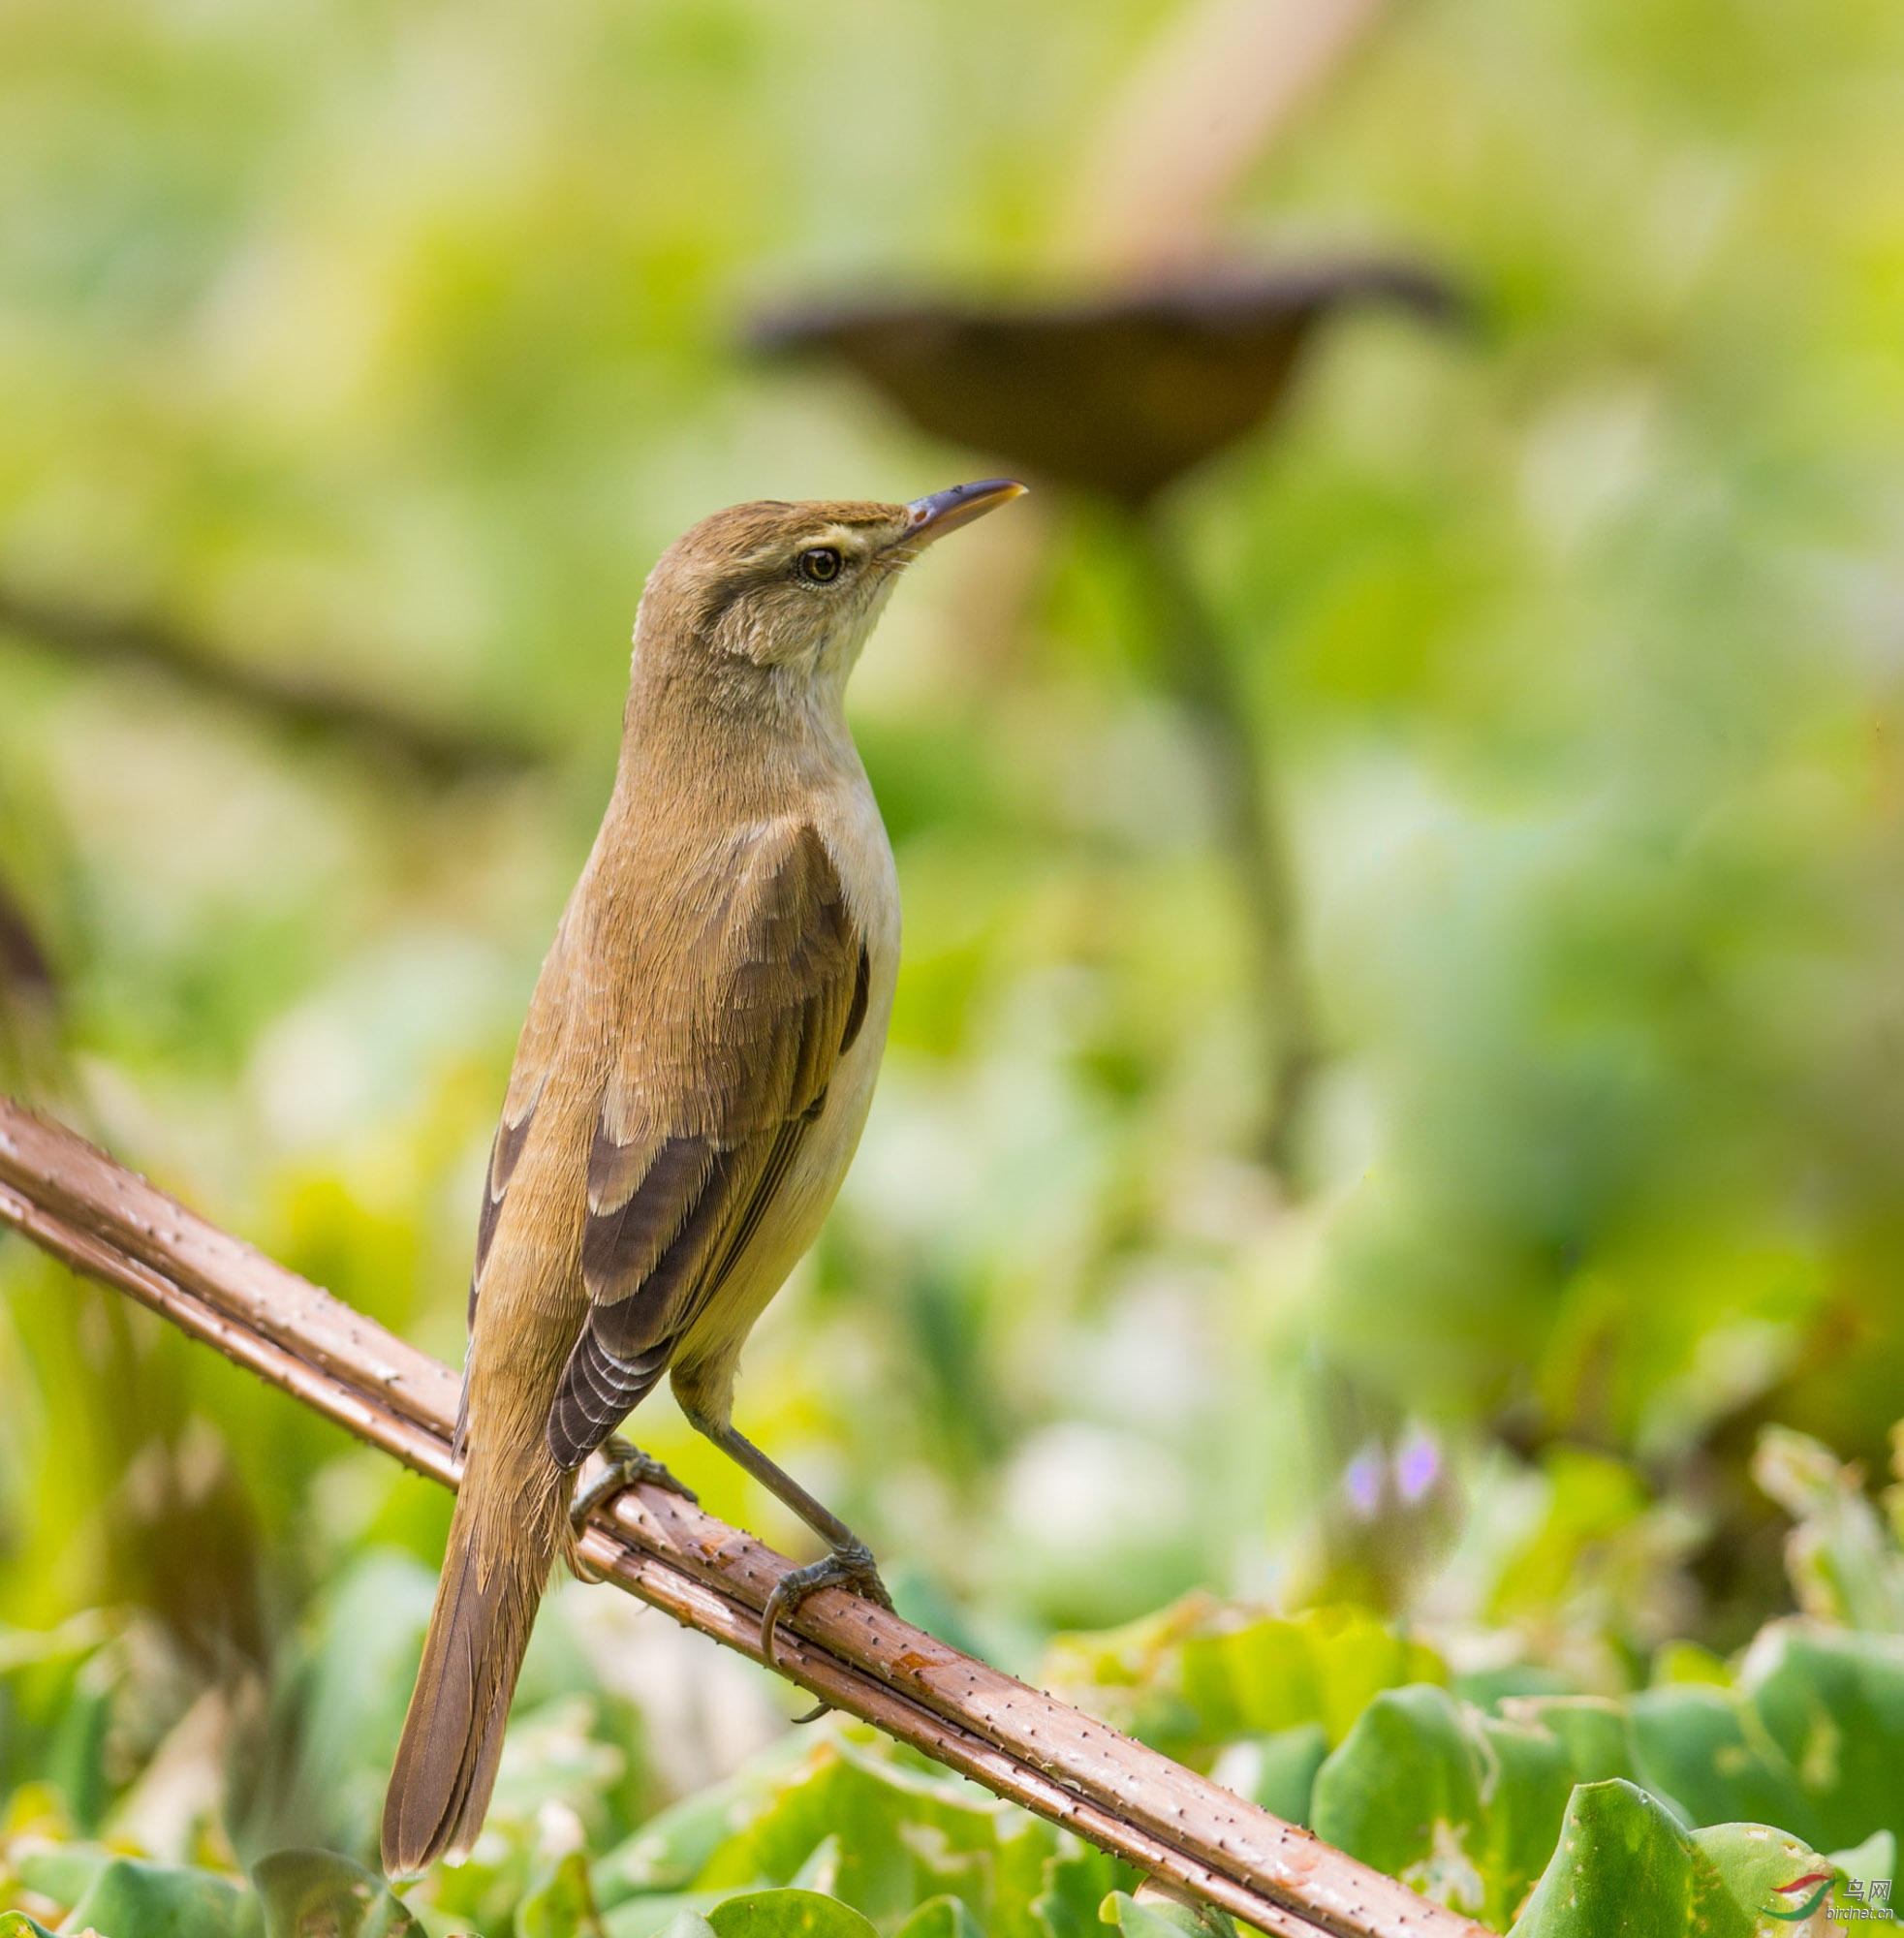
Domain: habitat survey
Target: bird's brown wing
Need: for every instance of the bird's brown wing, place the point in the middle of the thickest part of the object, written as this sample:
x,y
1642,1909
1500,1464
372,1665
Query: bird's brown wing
x,y
702,1116
542,1032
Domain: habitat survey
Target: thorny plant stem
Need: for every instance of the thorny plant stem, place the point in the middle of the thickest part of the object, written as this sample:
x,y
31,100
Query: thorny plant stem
x,y
1194,1837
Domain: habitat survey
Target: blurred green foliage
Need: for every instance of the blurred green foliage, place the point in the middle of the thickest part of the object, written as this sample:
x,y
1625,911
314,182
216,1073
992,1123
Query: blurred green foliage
x,y
386,347
1721,1782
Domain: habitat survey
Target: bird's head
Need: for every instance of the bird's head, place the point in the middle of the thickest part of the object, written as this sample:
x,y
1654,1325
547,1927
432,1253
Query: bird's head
x,y
793,590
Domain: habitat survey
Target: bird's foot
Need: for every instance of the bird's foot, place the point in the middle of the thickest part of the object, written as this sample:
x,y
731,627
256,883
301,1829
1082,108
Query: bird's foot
x,y
844,1568
624,1465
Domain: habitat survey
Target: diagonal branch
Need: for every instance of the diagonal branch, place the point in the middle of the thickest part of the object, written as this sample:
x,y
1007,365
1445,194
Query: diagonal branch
x,y
315,708
1190,1834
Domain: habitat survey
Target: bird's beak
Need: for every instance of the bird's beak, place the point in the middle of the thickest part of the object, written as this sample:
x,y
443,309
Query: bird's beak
x,y
933,518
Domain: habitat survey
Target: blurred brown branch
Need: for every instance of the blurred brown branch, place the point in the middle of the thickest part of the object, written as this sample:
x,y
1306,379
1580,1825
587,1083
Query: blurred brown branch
x,y
1220,84
29,1001
23,964
285,698
1194,1837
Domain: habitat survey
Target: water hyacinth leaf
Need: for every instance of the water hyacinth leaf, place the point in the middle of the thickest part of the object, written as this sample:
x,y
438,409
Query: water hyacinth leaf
x,y
1403,1794
668,1852
786,1914
555,1754
1699,1749
1277,1771
822,1869
1624,1864
684,1914
17,1924
558,1903
942,1917
337,1713
1688,1662
900,1835
1843,1565
1155,1916
76,1759
1324,1666
1527,1778
130,1899
1594,1731
58,1689
61,1872
1077,1879
1769,1873
1831,1701
1875,1857
320,1894
1464,1807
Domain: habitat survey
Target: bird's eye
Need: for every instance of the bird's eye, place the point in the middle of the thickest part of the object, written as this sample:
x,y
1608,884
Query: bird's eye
x,y
818,565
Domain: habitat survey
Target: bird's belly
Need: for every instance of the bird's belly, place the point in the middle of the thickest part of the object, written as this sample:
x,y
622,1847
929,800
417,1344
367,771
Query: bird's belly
x,y
705,1362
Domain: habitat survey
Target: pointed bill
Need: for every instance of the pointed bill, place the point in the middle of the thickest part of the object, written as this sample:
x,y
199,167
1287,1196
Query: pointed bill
x,y
943,512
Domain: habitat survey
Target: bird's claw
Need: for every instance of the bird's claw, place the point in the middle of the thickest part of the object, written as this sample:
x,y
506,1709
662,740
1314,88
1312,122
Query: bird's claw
x,y
624,1465
844,1568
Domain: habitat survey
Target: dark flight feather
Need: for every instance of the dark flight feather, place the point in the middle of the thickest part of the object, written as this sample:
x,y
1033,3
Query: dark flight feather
x,y
504,1150
679,1184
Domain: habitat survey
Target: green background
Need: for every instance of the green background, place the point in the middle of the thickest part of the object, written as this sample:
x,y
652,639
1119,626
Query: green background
x,y
383,347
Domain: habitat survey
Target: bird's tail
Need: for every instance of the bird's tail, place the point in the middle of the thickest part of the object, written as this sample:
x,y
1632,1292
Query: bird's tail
x,y
503,1541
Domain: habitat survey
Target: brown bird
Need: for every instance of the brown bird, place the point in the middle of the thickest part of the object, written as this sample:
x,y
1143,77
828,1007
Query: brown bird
x,y
695,1067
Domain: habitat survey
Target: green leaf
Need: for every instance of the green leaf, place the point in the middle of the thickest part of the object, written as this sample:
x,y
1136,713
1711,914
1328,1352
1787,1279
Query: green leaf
x,y
1831,1704
1277,1771
337,1710
1403,1794
1762,1868
1875,1857
668,1852
1624,1865
684,1914
558,1903
899,1835
1325,1666
320,1894
1077,1878
1160,1917
1594,1731
942,1917
61,1872
17,1924
76,1757
552,1752
130,1899
1464,1807
1843,1564
786,1914
822,1869
1524,1802
1700,1750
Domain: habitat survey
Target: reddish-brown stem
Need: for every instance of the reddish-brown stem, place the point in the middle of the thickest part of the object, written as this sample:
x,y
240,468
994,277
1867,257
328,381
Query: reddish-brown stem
x,y
1185,1830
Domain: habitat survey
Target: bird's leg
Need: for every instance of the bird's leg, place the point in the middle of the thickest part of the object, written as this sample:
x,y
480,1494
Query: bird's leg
x,y
625,1465
848,1565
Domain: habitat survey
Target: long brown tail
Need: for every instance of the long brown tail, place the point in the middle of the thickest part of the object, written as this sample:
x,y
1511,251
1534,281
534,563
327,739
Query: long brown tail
x,y
503,1539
